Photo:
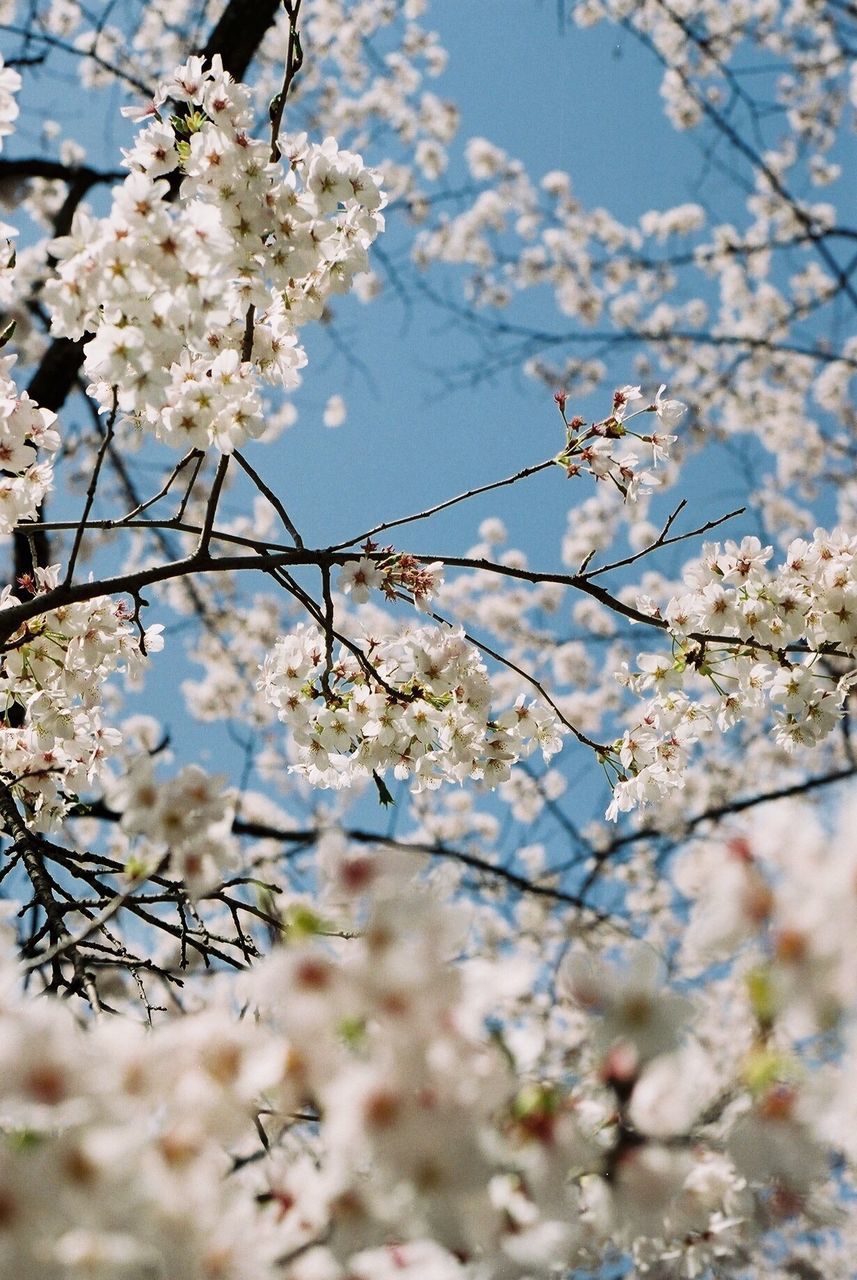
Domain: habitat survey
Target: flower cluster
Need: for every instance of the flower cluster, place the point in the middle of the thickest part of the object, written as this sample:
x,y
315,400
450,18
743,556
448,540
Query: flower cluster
x,y
418,703
386,1046
375,1126
392,574
10,83
422,1133
103,1171
755,637
594,449
194,303
778,892
186,820
53,742
24,425
774,901
24,428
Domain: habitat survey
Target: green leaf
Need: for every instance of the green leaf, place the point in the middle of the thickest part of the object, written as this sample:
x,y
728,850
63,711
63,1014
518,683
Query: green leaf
x,y
535,1098
763,996
7,333
25,1139
764,1067
300,922
353,1031
137,868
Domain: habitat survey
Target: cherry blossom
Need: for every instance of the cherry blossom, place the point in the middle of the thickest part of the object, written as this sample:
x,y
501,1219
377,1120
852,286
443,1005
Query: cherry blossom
x,y
360,982
245,256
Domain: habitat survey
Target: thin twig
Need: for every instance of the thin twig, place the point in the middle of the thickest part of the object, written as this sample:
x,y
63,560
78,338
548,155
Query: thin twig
x,y
162,492
200,457
30,847
69,943
449,502
93,485
267,492
294,61
211,507
663,541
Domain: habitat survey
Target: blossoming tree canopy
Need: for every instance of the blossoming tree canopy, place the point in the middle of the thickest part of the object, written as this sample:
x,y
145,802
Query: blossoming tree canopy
x,y
514,934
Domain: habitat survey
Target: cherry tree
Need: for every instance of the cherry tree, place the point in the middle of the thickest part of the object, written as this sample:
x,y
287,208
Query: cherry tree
x,y
516,935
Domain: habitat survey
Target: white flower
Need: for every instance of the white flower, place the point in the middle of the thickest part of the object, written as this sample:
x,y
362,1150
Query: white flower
x,y
669,411
335,412
358,578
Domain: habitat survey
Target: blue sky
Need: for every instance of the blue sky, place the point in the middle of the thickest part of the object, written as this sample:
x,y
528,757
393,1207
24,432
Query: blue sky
x,y
555,96
581,100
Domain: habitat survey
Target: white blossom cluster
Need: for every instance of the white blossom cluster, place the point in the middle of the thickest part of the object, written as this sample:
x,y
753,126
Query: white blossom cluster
x,y
186,821
103,1170
756,637
774,900
718,308
24,428
401,1138
594,448
194,303
811,75
392,574
417,703
10,83
53,742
